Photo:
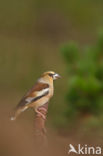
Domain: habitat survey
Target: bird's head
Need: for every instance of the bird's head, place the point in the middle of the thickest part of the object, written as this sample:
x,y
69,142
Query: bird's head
x,y
52,75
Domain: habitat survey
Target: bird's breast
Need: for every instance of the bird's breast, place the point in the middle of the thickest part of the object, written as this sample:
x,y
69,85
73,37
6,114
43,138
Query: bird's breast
x,y
51,91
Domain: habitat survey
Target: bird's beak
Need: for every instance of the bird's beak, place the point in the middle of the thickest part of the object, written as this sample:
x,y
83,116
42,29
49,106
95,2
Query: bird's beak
x,y
56,76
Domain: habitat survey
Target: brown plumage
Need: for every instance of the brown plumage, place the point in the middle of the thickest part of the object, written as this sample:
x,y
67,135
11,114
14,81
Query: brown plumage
x,y
38,95
31,93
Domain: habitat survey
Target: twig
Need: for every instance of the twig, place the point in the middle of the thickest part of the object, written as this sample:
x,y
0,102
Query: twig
x,y
40,129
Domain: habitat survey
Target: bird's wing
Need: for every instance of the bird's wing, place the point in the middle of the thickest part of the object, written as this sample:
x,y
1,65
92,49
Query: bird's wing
x,y
38,91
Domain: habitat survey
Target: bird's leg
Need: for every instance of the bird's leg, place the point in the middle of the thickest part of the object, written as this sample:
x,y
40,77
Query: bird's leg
x,y
39,113
44,109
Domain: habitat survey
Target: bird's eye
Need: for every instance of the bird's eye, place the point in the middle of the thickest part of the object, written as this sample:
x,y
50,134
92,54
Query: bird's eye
x,y
51,75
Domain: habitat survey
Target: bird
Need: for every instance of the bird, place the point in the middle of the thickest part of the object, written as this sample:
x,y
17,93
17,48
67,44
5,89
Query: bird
x,y
38,95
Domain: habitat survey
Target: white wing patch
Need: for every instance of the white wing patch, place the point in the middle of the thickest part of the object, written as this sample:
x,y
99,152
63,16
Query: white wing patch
x,y
38,94
43,91
29,99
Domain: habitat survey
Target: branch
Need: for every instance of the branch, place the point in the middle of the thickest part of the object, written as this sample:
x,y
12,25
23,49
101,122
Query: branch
x,y
40,129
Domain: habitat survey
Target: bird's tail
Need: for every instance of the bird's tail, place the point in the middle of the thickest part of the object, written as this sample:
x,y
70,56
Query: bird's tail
x,y
12,118
17,112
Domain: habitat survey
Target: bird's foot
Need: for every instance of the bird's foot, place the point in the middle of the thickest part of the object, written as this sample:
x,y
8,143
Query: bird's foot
x,y
39,114
43,109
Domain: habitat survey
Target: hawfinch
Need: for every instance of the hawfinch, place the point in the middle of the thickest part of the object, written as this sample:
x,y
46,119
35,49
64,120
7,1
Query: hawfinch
x,y
38,95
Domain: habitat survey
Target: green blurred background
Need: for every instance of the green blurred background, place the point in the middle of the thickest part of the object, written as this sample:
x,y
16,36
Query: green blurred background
x,y
34,36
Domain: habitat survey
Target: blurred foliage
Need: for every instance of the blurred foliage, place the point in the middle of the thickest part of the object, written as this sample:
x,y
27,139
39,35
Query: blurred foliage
x,y
85,78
